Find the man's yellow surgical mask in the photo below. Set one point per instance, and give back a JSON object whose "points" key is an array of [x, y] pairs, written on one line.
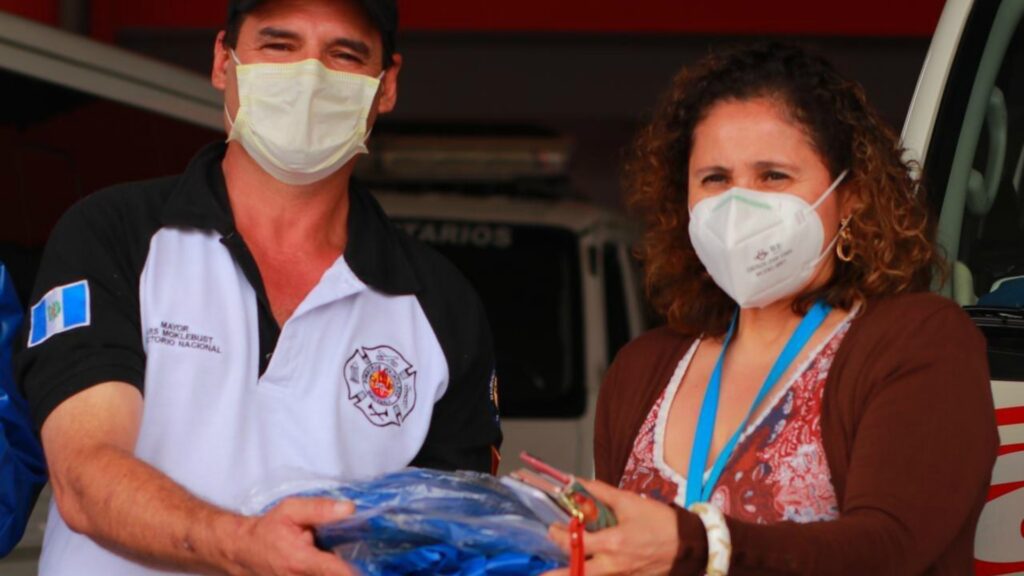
{"points": [[301, 121]]}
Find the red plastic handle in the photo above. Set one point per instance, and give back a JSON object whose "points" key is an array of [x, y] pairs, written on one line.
{"points": [[577, 556]]}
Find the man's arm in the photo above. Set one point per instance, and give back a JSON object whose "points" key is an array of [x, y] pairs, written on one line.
{"points": [[104, 492]]}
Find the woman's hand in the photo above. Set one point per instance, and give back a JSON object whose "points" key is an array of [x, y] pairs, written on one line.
{"points": [[645, 541]]}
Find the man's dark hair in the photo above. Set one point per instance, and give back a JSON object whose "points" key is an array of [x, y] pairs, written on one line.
{"points": [[383, 14]]}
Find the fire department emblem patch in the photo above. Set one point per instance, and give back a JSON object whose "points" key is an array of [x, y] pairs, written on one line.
{"points": [[382, 384]]}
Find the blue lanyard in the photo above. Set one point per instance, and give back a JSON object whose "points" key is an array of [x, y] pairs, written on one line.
{"points": [[696, 489]]}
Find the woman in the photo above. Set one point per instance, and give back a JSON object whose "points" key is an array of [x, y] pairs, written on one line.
{"points": [[837, 416]]}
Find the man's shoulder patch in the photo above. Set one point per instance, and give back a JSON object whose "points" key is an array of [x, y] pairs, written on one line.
{"points": [[61, 309]]}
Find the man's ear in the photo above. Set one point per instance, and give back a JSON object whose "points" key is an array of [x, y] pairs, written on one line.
{"points": [[389, 84], [221, 56]]}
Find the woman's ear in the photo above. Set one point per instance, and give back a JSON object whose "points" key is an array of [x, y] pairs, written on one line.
{"points": [[850, 201]]}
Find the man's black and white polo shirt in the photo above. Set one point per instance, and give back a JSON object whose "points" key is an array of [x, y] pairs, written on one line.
{"points": [[387, 362]]}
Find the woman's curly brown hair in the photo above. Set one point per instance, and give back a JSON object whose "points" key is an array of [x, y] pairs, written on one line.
{"points": [[893, 249]]}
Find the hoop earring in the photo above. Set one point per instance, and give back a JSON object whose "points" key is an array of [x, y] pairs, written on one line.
{"points": [[844, 245]]}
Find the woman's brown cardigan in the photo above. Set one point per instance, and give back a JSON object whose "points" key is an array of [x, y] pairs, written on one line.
{"points": [[909, 432]]}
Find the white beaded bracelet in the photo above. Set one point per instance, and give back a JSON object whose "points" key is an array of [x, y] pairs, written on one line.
{"points": [[719, 540]]}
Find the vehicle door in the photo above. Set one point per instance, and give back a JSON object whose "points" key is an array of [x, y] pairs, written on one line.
{"points": [[973, 167]]}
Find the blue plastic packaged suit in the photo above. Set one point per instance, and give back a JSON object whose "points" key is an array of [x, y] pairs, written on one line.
{"points": [[426, 522], [22, 467]]}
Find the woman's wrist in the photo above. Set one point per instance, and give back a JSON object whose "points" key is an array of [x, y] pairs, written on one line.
{"points": [[691, 551], [718, 538]]}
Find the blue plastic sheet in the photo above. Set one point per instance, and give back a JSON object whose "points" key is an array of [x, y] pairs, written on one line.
{"points": [[1010, 294], [22, 467], [425, 522]]}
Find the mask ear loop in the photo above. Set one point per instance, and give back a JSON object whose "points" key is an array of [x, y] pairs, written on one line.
{"points": [[842, 224], [835, 184], [380, 85], [231, 122]]}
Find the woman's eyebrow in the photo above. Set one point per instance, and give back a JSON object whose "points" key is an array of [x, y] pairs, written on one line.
{"points": [[705, 170], [775, 165]]}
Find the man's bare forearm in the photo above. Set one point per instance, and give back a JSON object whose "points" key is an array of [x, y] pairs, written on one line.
{"points": [[106, 493], [126, 504]]}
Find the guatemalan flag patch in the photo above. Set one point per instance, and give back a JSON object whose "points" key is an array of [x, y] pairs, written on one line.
{"points": [[62, 309]]}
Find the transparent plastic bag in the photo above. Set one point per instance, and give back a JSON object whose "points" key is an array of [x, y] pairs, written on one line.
{"points": [[418, 521]]}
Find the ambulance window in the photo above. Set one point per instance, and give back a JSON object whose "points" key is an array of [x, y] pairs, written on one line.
{"points": [[529, 280], [992, 237], [975, 165], [58, 145], [616, 311], [991, 243]]}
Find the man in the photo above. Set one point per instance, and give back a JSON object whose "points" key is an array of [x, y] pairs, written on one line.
{"points": [[192, 337], [22, 468]]}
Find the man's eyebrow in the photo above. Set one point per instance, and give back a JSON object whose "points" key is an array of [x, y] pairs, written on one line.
{"points": [[357, 46], [278, 33]]}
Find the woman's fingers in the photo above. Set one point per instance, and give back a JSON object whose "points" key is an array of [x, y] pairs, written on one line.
{"points": [[631, 543], [559, 534], [605, 493], [606, 540], [594, 567]]}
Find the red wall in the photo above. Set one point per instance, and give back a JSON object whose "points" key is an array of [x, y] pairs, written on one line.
{"points": [[42, 10], [727, 17], [817, 17]]}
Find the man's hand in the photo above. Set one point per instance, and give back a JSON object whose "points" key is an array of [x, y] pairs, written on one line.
{"points": [[280, 543], [645, 540]]}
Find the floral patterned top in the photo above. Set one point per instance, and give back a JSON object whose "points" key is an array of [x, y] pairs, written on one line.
{"points": [[778, 471]]}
